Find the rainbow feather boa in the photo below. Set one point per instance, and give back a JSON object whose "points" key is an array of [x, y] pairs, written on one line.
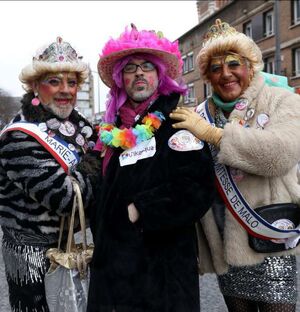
{"points": [[128, 138]]}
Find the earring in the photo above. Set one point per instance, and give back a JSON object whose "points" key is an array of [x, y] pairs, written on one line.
{"points": [[35, 101]]}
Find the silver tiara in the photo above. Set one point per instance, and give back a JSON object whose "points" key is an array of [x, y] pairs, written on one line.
{"points": [[58, 51]]}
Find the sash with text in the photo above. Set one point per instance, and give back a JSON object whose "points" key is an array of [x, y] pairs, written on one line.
{"points": [[253, 223]]}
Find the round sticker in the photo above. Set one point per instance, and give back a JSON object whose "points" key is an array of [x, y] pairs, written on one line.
{"points": [[71, 147], [67, 128], [42, 126], [283, 224], [53, 123], [250, 113], [241, 105], [183, 141], [237, 174], [91, 144], [262, 119], [87, 131], [80, 140]]}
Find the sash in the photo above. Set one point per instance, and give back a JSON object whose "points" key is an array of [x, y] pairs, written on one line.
{"points": [[251, 221], [56, 146]]}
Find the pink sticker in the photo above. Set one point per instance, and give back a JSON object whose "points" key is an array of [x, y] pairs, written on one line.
{"points": [[241, 105]]}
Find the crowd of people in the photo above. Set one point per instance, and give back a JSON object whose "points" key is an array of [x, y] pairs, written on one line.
{"points": [[169, 192]]}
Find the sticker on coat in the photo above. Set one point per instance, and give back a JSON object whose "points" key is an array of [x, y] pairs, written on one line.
{"points": [[143, 150], [183, 141]]}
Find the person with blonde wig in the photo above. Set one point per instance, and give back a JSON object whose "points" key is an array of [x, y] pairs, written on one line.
{"points": [[251, 123], [41, 152]]}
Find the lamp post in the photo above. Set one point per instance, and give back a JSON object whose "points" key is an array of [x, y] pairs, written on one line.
{"points": [[277, 39]]}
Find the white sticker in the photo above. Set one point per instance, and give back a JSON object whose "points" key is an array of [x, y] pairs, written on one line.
{"points": [[183, 141], [145, 149]]}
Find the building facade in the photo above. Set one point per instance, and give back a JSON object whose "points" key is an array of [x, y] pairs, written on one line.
{"points": [[85, 98], [256, 19]]}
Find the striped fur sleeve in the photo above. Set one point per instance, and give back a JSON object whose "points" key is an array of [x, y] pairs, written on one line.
{"points": [[34, 171]]}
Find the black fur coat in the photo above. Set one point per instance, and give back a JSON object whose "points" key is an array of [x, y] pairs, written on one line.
{"points": [[151, 265]]}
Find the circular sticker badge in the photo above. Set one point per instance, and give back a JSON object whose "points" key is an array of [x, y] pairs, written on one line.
{"points": [[87, 131], [283, 224], [79, 139], [183, 141], [53, 123], [237, 174], [91, 144], [241, 105], [262, 119], [71, 147], [67, 128], [42, 126], [250, 113]]}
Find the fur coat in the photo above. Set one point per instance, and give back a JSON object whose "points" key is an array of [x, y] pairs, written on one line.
{"points": [[151, 265], [268, 158], [34, 189]]}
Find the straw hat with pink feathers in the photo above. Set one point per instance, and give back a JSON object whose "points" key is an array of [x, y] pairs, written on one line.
{"points": [[134, 41]]}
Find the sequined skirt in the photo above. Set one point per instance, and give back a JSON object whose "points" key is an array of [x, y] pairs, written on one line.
{"points": [[25, 268], [272, 281]]}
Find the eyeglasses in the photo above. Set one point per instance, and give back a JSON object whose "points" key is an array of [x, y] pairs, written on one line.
{"points": [[132, 68], [232, 60]]}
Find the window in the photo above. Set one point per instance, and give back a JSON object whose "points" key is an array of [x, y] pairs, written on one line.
{"points": [[269, 65], [185, 67], [296, 12], [296, 62], [188, 62], [207, 90], [268, 23], [248, 29], [190, 96]]}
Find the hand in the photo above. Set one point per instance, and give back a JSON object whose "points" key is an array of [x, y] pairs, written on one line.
{"points": [[193, 122], [133, 213]]}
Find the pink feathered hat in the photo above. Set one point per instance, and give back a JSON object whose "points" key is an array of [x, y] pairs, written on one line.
{"points": [[134, 41]]}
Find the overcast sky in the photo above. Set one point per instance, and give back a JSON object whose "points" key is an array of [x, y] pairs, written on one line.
{"points": [[87, 25]]}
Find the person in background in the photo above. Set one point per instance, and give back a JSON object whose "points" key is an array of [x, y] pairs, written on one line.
{"points": [[256, 147], [156, 183], [40, 151]]}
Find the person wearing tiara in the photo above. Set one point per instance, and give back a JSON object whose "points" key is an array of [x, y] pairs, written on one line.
{"points": [[253, 130], [156, 183], [40, 154]]}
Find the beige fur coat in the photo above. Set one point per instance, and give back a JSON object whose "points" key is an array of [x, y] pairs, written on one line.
{"points": [[268, 159]]}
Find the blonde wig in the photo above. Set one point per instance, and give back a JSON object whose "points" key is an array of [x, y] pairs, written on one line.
{"points": [[222, 38]]}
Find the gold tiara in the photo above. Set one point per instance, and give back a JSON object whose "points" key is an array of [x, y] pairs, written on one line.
{"points": [[219, 29]]}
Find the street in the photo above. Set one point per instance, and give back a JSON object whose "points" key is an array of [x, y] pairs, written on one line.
{"points": [[210, 296]]}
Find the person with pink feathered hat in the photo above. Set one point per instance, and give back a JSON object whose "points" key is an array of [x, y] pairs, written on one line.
{"points": [[156, 183]]}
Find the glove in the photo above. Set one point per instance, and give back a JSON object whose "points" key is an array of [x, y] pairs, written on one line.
{"points": [[197, 125]]}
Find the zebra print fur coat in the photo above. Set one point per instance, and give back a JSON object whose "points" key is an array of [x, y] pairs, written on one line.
{"points": [[34, 189]]}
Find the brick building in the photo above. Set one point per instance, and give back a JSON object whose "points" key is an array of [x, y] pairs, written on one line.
{"points": [[257, 19]]}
